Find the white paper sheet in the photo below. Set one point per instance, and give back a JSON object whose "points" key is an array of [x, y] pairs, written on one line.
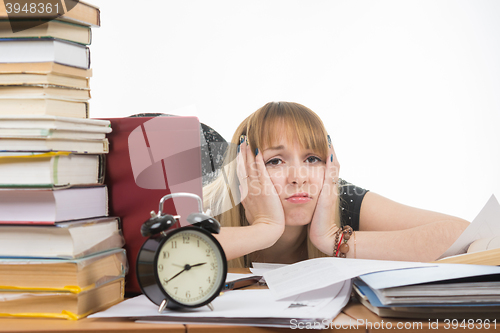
{"points": [[318, 273], [243, 304], [486, 224], [236, 276], [406, 277], [260, 268]]}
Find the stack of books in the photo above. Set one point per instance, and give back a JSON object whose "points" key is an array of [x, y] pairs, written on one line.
{"points": [[60, 253]]}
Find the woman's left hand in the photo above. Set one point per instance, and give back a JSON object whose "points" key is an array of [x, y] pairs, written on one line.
{"points": [[322, 228]]}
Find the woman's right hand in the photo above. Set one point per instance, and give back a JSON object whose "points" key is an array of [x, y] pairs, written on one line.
{"points": [[258, 194]]}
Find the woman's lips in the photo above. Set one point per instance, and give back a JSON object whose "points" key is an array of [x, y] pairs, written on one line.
{"points": [[299, 198]]}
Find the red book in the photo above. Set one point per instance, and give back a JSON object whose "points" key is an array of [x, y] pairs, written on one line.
{"points": [[150, 157]]}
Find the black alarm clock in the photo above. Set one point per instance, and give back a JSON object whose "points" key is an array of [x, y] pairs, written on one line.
{"points": [[184, 267]]}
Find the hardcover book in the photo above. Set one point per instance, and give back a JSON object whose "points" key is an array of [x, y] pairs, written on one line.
{"points": [[51, 205], [44, 106], [63, 275], [64, 305], [45, 50], [79, 12], [44, 68], [51, 169], [68, 240], [148, 159], [52, 29]]}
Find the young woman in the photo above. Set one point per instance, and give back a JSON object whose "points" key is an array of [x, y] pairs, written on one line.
{"points": [[279, 199]]}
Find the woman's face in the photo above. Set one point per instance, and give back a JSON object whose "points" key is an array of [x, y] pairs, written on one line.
{"points": [[297, 175]]}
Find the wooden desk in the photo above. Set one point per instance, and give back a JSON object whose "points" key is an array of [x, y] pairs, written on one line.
{"points": [[341, 320], [355, 318], [117, 325], [87, 325]]}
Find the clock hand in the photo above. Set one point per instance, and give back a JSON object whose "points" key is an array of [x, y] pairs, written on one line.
{"points": [[178, 265], [176, 275], [187, 267], [203, 263]]}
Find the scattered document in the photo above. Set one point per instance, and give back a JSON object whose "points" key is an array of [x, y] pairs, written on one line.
{"points": [[236, 276], [260, 268], [442, 285], [369, 298], [486, 224], [266, 266], [420, 275], [255, 307], [319, 273]]}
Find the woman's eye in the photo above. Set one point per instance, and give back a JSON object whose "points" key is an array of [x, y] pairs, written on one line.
{"points": [[313, 159], [274, 161]]}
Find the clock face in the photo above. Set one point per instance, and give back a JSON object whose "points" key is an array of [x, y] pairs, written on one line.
{"points": [[191, 267]]}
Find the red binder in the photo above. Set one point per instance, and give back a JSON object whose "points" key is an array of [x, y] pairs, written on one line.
{"points": [[148, 158]]}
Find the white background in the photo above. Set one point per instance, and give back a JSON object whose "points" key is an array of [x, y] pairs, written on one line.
{"points": [[409, 90]]}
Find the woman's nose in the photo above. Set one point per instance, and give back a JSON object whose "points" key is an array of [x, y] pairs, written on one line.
{"points": [[297, 175]]}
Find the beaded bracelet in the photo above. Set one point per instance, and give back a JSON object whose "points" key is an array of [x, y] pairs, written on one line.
{"points": [[354, 234], [341, 247]]}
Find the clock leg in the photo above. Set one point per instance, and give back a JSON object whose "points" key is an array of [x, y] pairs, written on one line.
{"points": [[163, 305], [210, 306]]}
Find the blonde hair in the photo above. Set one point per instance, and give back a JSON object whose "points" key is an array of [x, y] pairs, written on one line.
{"points": [[222, 195]]}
